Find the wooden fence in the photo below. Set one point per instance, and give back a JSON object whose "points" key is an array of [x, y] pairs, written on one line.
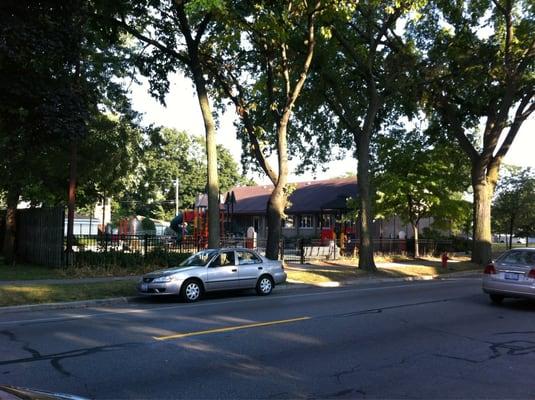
{"points": [[40, 235]]}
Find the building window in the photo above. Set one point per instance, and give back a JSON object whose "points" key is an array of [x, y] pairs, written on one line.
{"points": [[326, 221], [289, 222], [306, 221]]}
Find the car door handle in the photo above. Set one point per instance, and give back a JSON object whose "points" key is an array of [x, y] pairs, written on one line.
{"points": [[234, 270], [260, 268]]}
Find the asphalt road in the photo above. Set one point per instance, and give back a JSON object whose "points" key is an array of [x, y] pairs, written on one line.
{"points": [[434, 339]]}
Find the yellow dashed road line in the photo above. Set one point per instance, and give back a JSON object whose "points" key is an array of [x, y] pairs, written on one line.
{"points": [[229, 329]]}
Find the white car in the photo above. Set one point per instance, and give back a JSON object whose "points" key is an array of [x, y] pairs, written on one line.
{"points": [[511, 275], [212, 270]]}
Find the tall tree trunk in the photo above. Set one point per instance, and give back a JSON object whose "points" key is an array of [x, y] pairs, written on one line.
{"points": [[10, 235], [71, 203], [511, 229], [277, 200], [211, 158], [416, 240], [275, 211], [482, 251], [366, 261]]}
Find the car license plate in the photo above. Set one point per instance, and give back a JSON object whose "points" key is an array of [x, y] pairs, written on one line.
{"points": [[144, 287], [511, 276]]}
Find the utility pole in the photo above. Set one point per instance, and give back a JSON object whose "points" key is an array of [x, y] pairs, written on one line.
{"points": [[177, 182]]}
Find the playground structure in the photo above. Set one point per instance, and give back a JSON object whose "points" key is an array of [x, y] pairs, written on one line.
{"points": [[195, 225]]}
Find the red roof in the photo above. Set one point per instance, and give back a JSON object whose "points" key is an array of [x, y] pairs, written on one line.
{"points": [[308, 197]]}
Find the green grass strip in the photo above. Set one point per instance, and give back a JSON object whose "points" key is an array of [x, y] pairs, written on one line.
{"points": [[13, 295]]}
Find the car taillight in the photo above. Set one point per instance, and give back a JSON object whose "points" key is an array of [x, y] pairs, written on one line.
{"points": [[531, 274], [490, 269]]}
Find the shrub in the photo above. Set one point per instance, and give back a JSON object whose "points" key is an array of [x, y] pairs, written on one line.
{"points": [[129, 263]]}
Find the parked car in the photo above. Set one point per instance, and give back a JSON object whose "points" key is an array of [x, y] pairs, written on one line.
{"points": [[511, 275], [212, 270]]}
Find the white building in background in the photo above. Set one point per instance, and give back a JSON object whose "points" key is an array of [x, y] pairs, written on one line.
{"points": [[84, 225], [103, 210]]}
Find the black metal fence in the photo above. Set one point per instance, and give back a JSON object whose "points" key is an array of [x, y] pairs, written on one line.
{"points": [[141, 244], [290, 249], [43, 242]]}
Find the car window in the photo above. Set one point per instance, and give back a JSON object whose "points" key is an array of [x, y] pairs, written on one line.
{"points": [[199, 259], [223, 259], [515, 257], [530, 258], [246, 257]]}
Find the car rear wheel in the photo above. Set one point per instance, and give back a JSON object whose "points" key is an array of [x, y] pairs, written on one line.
{"points": [[191, 291], [496, 298], [264, 286]]}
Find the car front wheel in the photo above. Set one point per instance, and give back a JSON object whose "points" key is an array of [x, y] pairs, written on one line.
{"points": [[264, 286], [191, 291]]}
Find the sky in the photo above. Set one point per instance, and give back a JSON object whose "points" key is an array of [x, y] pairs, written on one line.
{"points": [[183, 113]]}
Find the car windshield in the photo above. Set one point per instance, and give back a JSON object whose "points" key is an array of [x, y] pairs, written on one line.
{"points": [[199, 259]]}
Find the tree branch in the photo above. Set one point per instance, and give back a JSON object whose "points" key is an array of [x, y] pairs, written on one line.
{"points": [[524, 110], [201, 28], [450, 116], [243, 112], [311, 42], [138, 35]]}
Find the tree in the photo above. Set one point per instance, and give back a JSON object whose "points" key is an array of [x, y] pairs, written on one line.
{"points": [[266, 50], [478, 79], [172, 36], [168, 154], [41, 98], [419, 178], [362, 78], [58, 63], [514, 203]]}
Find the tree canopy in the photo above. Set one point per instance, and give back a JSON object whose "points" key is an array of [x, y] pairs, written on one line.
{"points": [[478, 63], [418, 178], [168, 154], [514, 203]]}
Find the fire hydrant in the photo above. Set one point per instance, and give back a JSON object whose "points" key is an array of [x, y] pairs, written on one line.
{"points": [[445, 260]]}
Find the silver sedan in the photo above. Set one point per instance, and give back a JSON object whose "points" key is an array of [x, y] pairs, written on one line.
{"points": [[212, 270], [511, 275]]}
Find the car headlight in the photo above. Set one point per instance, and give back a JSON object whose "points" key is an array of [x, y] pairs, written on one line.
{"points": [[163, 279]]}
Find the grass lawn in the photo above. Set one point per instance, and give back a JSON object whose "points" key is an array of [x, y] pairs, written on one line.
{"points": [[346, 269], [13, 295], [28, 272], [31, 272], [324, 273]]}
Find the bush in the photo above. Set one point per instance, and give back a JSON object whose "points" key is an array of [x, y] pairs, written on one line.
{"points": [[128, 262], [461, 244]]}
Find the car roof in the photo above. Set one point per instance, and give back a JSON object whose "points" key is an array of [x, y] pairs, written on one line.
{"points": [[230, 249]]}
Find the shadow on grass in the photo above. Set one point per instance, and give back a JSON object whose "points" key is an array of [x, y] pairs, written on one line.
{"points": [[396, 267]]}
